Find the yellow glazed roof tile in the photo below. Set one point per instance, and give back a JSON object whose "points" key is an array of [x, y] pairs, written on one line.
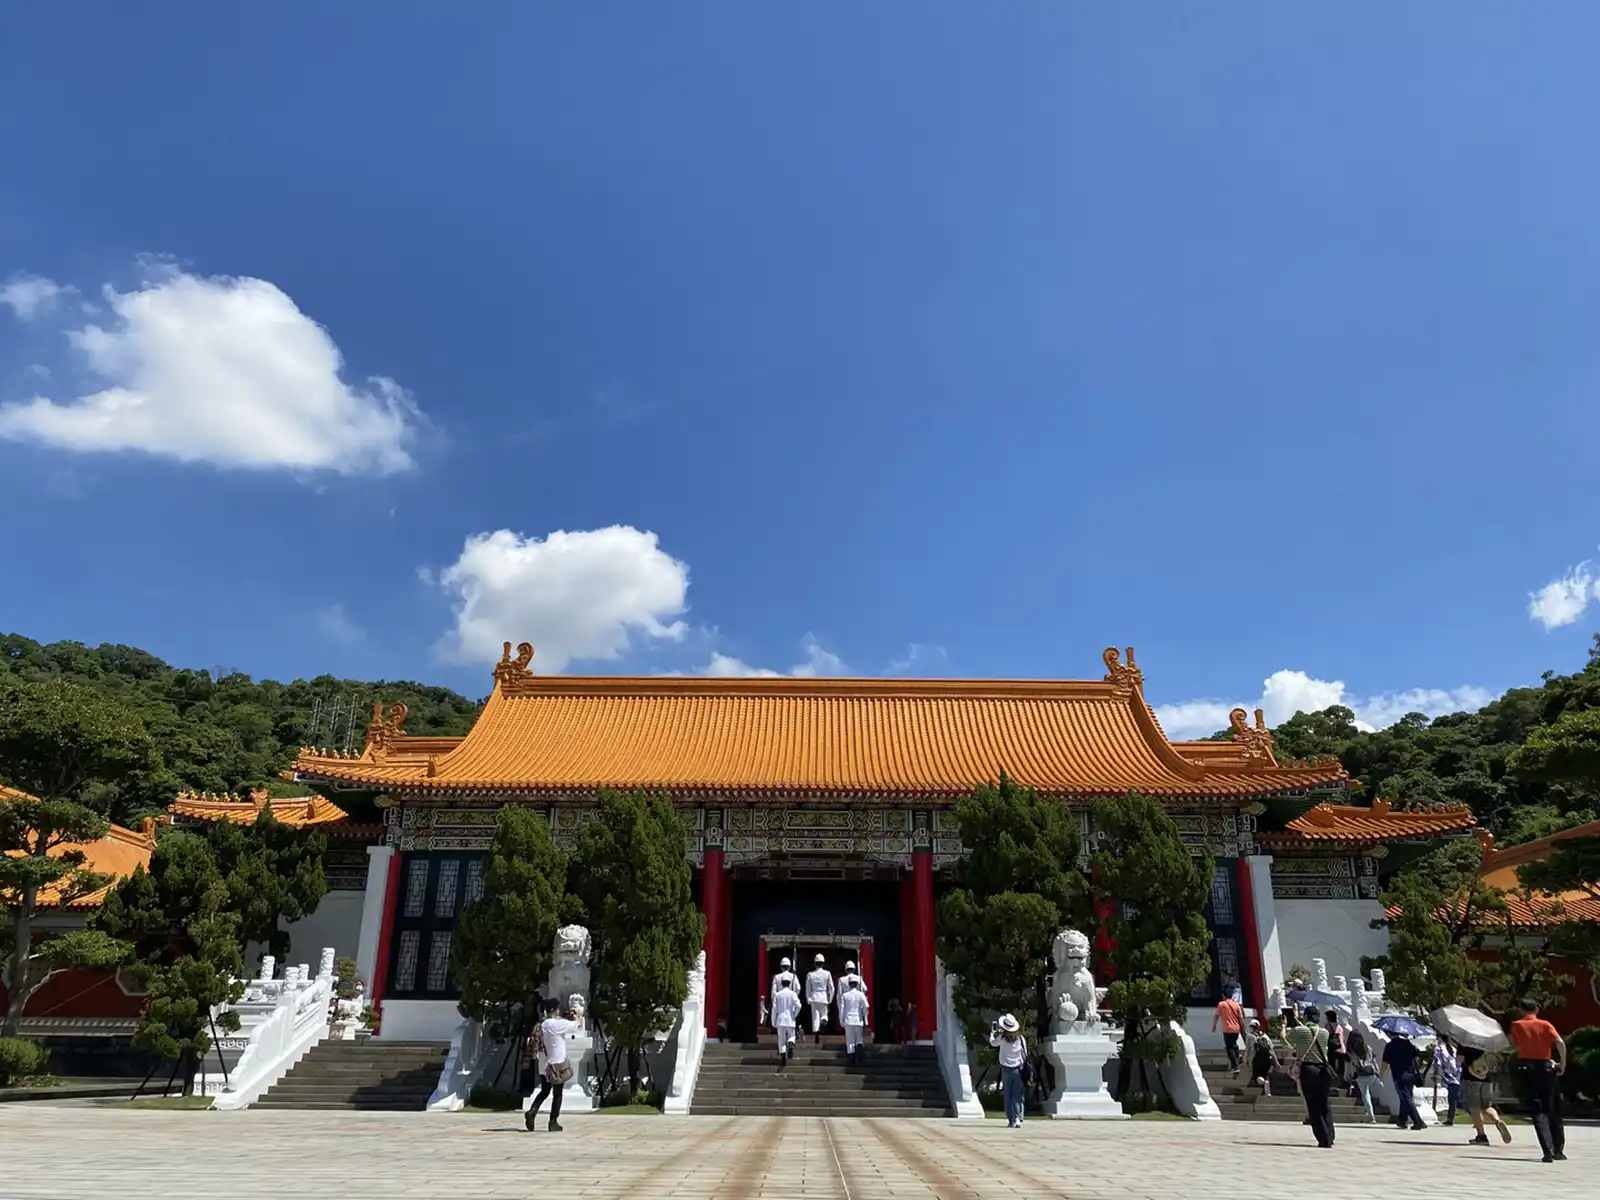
{"points": [[821, 736]]}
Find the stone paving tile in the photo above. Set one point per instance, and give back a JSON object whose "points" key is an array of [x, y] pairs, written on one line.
{"points": [[65, 1152]]}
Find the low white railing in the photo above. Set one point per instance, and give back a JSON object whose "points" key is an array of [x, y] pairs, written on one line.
{"points": [[280, 1019], [688, 1038], [950, 1043], [473, 1056], [1185, 1083]]}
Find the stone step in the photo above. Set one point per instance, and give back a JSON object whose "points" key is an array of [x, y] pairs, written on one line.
{"points": [[395, 1076], [817, 1111], [796, 1095]]}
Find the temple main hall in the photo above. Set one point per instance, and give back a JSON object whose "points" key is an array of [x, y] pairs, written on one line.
{"points": [[820, 819]]}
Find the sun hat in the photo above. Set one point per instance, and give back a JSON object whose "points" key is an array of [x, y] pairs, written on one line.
{"points": [[1008, 1024], [821, 958]]}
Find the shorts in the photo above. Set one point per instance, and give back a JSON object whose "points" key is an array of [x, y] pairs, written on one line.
{"points": [[1477, 1094]]}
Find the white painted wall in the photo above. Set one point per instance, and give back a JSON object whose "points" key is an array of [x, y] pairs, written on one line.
{"points": [[336, 923], [1339, 931], [419, 1021]]}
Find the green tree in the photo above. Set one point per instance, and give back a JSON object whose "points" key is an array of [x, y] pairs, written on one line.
{"points": [[1573, 865], [1452, 941], [501, 953], [178, 920], [56, 740], [273, 873], [1161, 944], [1565, 751], [632, 879], [1020, 884]]}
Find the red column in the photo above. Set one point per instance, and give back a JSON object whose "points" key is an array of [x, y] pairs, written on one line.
{"points": [[864, 967], [1255, 989], [391, 901], [922, 909], [1104, 943], [714, 904]]}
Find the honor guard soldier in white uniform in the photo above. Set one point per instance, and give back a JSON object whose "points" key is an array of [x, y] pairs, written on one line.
{"points": [[819, 995], [784, 978], [849, 974], [853, 1016], [785, 1013]]}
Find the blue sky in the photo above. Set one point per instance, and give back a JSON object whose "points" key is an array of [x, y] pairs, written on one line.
{"points": [[937, 338]]}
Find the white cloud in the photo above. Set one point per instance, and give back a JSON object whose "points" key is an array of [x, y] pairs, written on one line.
{"points": [[1284, 693], [922, 658], [226, 371], [333, 624], [30, 296], [817, 662], [575, 595], [1562, 601]]}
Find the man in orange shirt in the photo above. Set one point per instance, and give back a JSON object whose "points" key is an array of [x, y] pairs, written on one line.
{"points": [[1231, 1015], [1541, 1058]]}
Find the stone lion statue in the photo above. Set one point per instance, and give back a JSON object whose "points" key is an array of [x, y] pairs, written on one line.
{"points": [[569, 976], [1076, 999], [572, 946]]}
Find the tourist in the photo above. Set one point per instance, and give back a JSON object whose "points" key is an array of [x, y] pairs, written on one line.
{"points": [[552, 1035], [1400, 1064], [1004, 1035], [1338, 1052], [911, 1021], [785, 1017], [1541, 1058], [1230, 1014], [1477, 1093], [896, 1019], [1263, 1059], [1365, 1065], [853, 1016], [1447, 1074], [819, 995], [1309, 1041]]}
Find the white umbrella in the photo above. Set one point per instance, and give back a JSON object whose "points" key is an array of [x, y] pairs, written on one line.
{"points": [[1471, 1028]]}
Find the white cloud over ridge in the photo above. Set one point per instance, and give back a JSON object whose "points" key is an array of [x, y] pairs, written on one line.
{"points": [[217, 370], [817, 663], [580, 595], [30, 296], [1286, 692], [1564, 599]]}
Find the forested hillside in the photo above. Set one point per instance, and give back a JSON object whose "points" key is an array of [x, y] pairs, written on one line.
{"points": [[1528, 763], [222, 734]]}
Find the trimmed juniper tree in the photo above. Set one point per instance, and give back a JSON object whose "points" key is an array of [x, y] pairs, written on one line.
{"points": [[1020, 883], [502, 950], [274, 876], [632, 878], [1157, 893], [57, 742]]}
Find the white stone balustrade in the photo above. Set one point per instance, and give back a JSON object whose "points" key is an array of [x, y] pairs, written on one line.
{"points": [[950, 1044], [279, 1020], [687, 1042]]}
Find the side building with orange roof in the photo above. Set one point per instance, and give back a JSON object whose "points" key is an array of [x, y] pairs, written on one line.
{"points": [[820, 818], [337, 921]]}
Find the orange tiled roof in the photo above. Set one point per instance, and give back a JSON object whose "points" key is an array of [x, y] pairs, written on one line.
{"points": [[1540, 908], [291, 810], [1381, 822], [116, 854], [840, 737]]}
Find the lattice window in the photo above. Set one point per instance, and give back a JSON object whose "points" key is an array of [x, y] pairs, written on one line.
{"points": [[1222, 896], [444, 902], [405, 972], [439, 962], [476, 872], [416, 888]]}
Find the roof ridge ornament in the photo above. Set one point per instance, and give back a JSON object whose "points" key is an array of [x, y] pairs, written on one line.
{"points": [[386, 727], [511, 672], [1255, 744], [1125, 678]]}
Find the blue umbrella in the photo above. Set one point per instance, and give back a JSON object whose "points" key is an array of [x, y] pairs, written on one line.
{"points": [[1395, 1023]]}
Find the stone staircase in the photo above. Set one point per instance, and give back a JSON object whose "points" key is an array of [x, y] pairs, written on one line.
{"points": [[366, 1074], [1238, 1101], [892, 1081]]}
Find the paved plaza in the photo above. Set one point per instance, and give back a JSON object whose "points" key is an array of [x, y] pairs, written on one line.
{"points": [[61, 1151]]}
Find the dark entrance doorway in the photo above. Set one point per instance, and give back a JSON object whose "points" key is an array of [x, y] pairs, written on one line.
{"points": [[835, 913]]}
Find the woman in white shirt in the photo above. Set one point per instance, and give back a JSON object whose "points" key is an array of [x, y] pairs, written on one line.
{"points": [[1013, 1047], [551, 1039]]}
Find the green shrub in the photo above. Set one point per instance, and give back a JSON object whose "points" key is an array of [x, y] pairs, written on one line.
{"points": [[1582, 1077], [493, 1098], [19, 1059]]}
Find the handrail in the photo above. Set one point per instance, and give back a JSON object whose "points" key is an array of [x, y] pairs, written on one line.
{"points": [[950, 1043], [690, 1034], [283, 1018]]}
